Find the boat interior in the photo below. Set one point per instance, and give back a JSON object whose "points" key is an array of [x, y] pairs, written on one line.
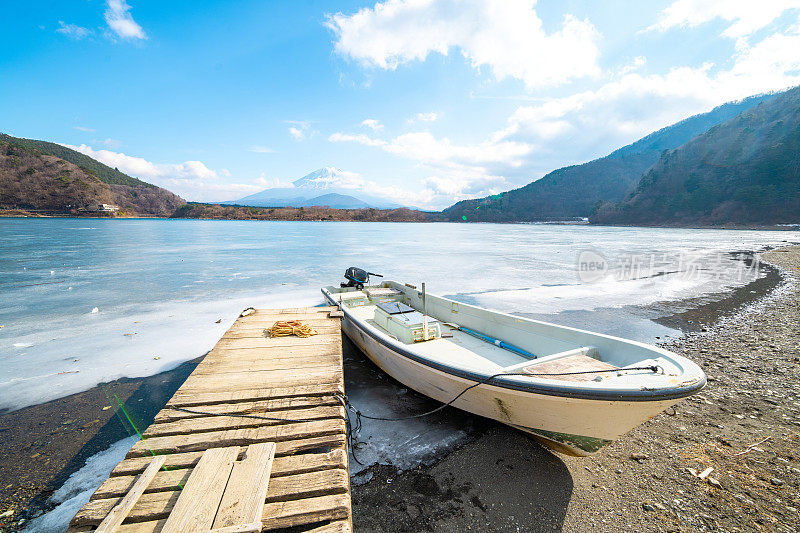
{"points": [[456, 334]]}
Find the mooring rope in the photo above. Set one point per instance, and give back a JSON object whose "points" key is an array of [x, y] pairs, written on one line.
{"points": [[284, 328]]}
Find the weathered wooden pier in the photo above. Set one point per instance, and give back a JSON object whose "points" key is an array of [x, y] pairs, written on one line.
{"points": [[206, 463]]}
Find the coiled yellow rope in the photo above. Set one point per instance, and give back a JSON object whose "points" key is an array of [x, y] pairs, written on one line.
{"points": [[284, 328]]}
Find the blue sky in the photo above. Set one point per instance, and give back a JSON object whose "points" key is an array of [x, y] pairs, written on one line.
{"points": [[423, 101]]}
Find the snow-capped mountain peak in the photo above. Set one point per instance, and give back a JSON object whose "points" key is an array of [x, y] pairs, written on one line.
{"points": [[329, 178], [327, 186]]}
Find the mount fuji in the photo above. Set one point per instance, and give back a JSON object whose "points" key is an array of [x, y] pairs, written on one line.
{"points": [[327, 186]]}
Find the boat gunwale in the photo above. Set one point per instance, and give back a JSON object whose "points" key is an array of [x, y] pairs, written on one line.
{"points": [[532, 386]]}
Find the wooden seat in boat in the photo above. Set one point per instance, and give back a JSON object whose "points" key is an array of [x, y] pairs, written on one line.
{"points": [[572, 363]]}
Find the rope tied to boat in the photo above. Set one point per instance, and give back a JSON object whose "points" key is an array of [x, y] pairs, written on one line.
{"points": [[352, 430], [285, 328]]}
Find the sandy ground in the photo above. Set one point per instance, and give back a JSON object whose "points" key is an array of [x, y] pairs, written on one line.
{"points": [[504, 481]]}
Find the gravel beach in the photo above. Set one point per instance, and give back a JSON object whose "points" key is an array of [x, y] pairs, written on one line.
{"points": [[745, 426]]}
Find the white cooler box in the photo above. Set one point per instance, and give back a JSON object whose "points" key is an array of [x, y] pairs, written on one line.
{"points": [[406, 323]]}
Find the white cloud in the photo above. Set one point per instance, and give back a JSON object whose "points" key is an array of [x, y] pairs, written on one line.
{"points": [[121, 22], [372, 124], [264, 183], [300, 130], [359, 138], [461, 171], [83, 128], [73, 31], [427, 149], [637, 63], [745, 16], [192, 180], [111, 143], [427, 117], [259, 149], [507, 36]]}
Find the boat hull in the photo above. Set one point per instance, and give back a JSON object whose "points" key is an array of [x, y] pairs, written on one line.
{"points": [[575, 426]]}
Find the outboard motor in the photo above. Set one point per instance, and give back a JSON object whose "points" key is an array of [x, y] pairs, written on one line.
{"points": [[357, 277]]}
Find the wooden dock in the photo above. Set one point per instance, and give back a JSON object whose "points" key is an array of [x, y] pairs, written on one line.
{"points": [[247, 373]]}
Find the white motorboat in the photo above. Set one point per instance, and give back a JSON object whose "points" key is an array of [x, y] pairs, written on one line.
{"points": [[573, 390]]}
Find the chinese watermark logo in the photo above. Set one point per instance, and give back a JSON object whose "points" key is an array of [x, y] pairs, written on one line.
{"points": [[592, 266]]}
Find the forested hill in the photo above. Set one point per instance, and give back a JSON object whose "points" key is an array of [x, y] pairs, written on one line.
{"points": [[39, 175], [744, 171], [576, 191]]}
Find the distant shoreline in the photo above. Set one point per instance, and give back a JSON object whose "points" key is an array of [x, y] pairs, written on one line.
{"points": [[381, 216]]}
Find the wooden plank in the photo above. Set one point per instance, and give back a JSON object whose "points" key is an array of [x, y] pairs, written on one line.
{"points": [[261, 313], [266, 406], [158, 505], [258, 324], [308, 511], [292, 352], [320, 309], [235, 437], [332, 481], [239, 382], [228, 367], [339, 526], [216, 423], [243, 500], [572, 363], [116, 486], [323, 388], [317, 358], [244, 380], [199, 499], [260, 318], [133, 465], [154, 526], [278, 342], [117, 515]]}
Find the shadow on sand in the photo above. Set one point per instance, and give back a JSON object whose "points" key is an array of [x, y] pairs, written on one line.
{"points": [[499, 480]]}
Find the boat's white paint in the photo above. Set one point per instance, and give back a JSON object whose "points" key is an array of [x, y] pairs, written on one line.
{"points": [[443, 368]]}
